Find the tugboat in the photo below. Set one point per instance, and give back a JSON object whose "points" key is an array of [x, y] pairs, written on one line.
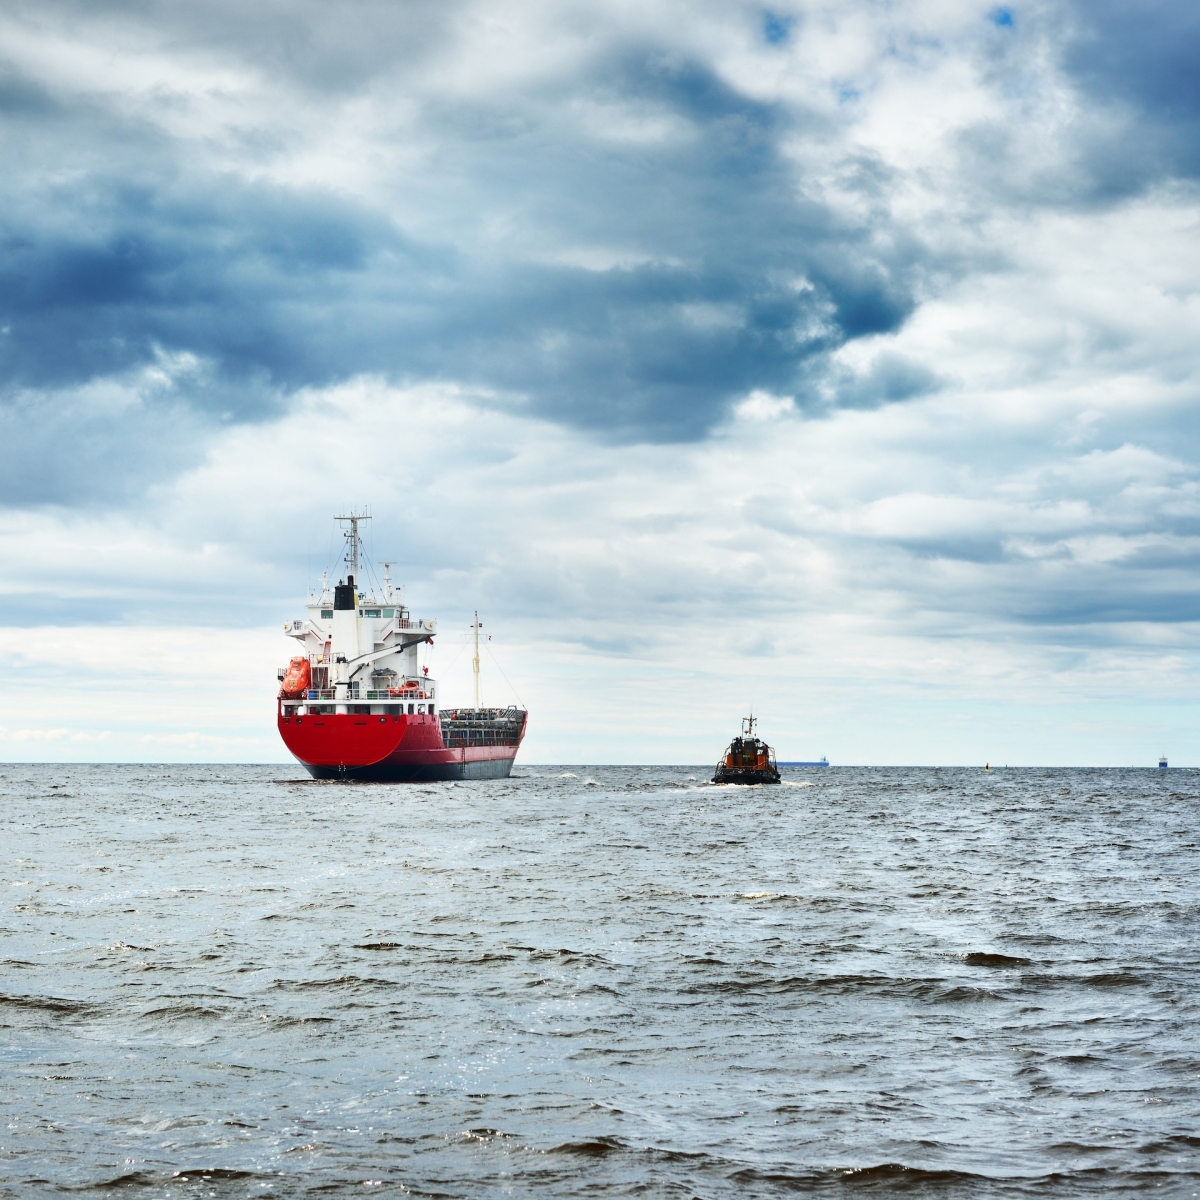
{"points": [[748, 759]]}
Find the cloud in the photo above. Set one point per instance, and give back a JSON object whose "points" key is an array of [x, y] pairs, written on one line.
{"points": [[851, 342], [846, 560], [144, 220], [1139, 62]]}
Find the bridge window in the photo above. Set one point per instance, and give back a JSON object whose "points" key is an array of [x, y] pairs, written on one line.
{"points": [[370, 612], [327, 614], [389, 612]]}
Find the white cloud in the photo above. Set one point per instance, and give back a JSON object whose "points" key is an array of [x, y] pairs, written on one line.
{"points": [[762, 406]]}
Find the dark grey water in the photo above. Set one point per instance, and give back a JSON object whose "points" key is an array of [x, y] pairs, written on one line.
{"points": [[607, 981]]}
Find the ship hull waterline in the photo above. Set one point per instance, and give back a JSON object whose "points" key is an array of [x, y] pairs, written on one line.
{"points": [[389, 749], [744, 776]]}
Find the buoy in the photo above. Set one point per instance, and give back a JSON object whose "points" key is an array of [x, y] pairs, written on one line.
{"points": [[987, 766]]}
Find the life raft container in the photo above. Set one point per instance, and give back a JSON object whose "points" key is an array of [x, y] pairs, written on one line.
{"points": [[296, 678]]}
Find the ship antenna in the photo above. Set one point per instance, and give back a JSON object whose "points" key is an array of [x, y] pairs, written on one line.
{"points": [[355, 542], [387, 583], [475, 627]]}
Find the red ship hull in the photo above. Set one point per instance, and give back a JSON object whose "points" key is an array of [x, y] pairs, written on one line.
{"points": [[395, 748]]}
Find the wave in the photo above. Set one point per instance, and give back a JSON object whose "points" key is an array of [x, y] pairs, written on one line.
{"points": [[183, 1012], [590, 1148], [933, 988], [980, 958], [334, 983], [144, 1179], [54, 1004]]}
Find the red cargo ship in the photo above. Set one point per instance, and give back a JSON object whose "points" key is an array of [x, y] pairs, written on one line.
{"points": [[353, 704]]}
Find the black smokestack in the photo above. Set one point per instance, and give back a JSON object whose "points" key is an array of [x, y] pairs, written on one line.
{"points": [[343, 594]]}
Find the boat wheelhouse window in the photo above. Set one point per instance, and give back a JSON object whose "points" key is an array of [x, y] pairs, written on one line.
{"points": [[389, 612], [420, 708], [431, 708], [411, 708], [327, 614], [370, 612], [360, 709]]}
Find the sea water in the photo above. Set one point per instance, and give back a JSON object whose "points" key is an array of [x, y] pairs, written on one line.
{"points": [[229, 981]]}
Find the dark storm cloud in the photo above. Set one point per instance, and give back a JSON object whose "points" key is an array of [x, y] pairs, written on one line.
{"points": [[249, 278], [890, 377], [290, 290], [736, 280], [1140, 59], [126, 249]]}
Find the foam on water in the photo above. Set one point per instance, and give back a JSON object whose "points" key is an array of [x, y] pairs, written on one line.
{"points": [[941, 981]]}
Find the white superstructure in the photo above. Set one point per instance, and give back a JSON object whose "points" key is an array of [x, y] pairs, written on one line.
{"points": [[363, 647]]}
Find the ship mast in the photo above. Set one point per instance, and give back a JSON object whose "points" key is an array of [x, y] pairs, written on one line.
{"points": [[351, 536], [475, 627]]}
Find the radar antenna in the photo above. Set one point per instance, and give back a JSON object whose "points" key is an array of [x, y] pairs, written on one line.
{"points": [[354, 541]]}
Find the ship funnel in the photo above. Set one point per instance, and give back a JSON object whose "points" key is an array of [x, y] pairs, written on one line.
{"points": [[343, 594]]}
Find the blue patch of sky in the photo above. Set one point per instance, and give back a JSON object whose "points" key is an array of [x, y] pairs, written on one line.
{"points": [[776, 28], [1002, 18]]}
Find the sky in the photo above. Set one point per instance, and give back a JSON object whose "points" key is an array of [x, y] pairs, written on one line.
{"points": [[834, 359]]}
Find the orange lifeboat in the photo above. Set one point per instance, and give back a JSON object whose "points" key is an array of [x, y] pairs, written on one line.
{"points": [[296, 678]]}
